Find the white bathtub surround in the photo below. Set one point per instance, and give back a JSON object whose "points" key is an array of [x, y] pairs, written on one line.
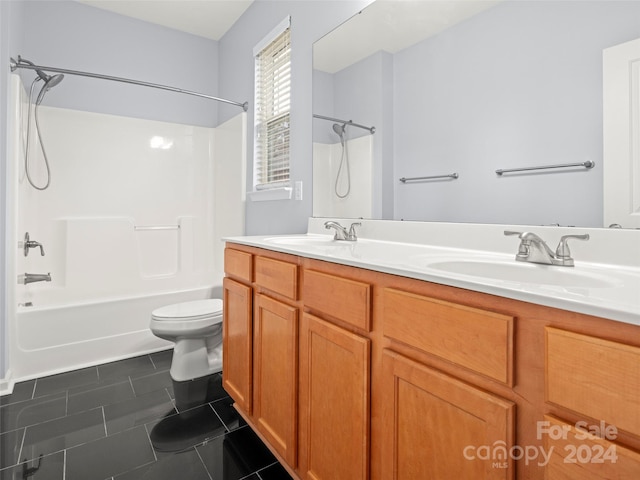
{"points": [[132, 221], [326, 162], [604, 282]]}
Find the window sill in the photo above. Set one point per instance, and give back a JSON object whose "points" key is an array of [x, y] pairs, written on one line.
{"points": [[282, 193]]}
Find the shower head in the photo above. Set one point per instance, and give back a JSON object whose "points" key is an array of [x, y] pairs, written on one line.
{"points": [[49, 83], [54, 80], [339, 129]]}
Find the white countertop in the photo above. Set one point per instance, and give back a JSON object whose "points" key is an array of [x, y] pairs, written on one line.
{"points": [[609, 290]]}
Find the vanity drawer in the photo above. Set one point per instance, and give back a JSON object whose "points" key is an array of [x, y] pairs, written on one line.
{"points": [[238, 264], [575, 454], [479, 340], [594, 377], [344, 299], [277, 276]]}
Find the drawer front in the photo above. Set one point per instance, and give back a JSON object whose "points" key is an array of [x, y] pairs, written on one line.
{"points": [[479, 340], [594, 377], [573, 454], [277, 276], [238, 264], [341, 298]]}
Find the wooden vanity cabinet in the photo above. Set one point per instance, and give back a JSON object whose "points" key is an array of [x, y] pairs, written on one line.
{"points": [[334, 402], [260, 345], [335, 355], [595, 384], [237, 346], [275, 374], [351, 374], [435, 425]]}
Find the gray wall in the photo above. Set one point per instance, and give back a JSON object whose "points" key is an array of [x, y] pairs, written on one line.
{"points": [[519, 85], [71, 35], [310, 20]]}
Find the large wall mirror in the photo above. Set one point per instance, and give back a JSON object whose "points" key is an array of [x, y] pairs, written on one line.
{"points": [[455, 91]]}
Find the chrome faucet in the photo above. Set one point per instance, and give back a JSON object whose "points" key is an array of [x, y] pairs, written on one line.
{"points": [[341, 232], [535, 250], [34, 277]]}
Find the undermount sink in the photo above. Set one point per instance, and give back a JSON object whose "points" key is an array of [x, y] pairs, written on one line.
{"points": [[302, 240], [518, 272]]}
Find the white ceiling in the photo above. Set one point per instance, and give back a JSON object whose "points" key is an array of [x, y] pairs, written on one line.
{"points": [[390, 25], [205, 18]]}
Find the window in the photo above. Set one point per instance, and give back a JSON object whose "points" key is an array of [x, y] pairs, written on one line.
{"points": [[272, 107]]}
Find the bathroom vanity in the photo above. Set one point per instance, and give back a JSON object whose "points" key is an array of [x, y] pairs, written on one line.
{"points": [[354, 360]]}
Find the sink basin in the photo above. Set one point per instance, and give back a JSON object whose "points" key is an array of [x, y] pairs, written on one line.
{"points": [[530, 273], [309, 240]]}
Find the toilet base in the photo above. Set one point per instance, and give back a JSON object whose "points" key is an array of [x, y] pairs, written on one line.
{"points": [[192, 359]]}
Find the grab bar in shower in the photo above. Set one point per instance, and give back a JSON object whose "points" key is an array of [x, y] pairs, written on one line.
{"points": [[587, 164], [156, 227], [432, 177]]}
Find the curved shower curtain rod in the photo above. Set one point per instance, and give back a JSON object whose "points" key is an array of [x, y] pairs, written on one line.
{"points": [[21, 64], [346, 122]]}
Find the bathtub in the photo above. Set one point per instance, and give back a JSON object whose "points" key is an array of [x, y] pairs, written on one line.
{"points": [[50, 338], [126, 228]]}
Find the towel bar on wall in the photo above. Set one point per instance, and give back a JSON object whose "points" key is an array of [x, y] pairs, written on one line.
{"points": [[587, 164], [156, 227], [432, 177]]}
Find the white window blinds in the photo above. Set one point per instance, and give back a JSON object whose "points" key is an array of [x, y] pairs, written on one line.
{"points": [[272, 104]]}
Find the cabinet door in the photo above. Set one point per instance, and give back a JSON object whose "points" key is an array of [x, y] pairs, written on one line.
{"points": [[334, 402], [434, 425], [275, 375], [575, 454], [237, 333]]}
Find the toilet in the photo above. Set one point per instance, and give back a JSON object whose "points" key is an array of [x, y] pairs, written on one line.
{"points": [[196, 329]]}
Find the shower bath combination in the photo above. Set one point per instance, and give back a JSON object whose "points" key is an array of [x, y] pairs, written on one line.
{"points": [[50, 81]]}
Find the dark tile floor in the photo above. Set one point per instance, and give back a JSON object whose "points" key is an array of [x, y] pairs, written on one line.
{"points": [[127, 420]]}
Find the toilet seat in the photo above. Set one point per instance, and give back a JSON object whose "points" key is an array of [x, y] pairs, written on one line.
{"points": [[195, 328], [190, 311]]}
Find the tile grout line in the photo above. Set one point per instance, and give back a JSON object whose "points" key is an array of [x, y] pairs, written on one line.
{"points": [[132, 387], [202, 461], [219, 417], [64, 464], [152, 362], [104, 421], [33, 392], [24, 435], [153, 450]]}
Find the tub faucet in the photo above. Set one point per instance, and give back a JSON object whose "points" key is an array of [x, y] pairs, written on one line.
{"points": [[27, 278], [27, 244], [535, 250], [341, 232]]}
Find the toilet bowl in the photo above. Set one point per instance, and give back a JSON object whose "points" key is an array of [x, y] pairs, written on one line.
{"points": [[196, 329]]}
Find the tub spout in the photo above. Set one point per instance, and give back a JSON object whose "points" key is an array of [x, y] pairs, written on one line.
{"points": [[27, 278]]}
